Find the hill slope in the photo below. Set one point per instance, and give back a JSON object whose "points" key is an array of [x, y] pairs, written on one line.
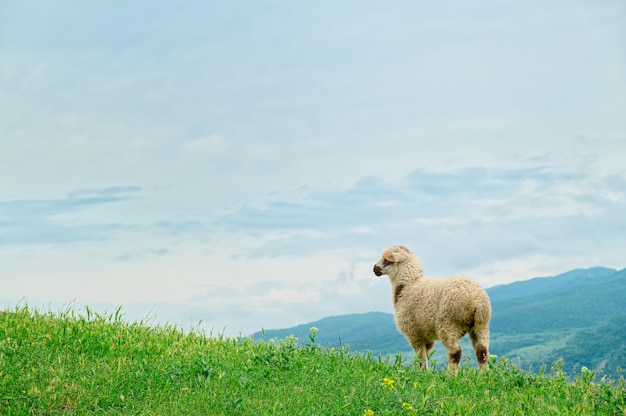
{"points": [[579, 316], [76, 365]]}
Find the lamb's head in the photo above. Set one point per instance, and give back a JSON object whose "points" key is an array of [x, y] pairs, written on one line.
{"points": [[392, 260]]}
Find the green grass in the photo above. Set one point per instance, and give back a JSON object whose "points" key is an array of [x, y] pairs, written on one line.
{"points": [[77, 364]]}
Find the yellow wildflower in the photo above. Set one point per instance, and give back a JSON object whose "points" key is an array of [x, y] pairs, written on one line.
{"points": [[368, 412], [407, 406], [387, 382]]}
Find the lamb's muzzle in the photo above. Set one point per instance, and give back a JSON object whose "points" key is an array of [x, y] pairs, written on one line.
{"points": [[377, 270]]}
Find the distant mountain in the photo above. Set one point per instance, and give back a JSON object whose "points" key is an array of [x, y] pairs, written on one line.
{"points": [[566, 306], [540, 285], [578, 316]]}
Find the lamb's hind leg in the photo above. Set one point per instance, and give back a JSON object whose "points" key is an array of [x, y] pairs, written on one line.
{"points": [[480, 342], [421, 349]]}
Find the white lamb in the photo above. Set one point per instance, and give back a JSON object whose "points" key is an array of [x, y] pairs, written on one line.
{"points": [[428, 309]]}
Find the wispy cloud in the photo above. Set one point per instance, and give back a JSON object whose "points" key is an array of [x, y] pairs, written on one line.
{"points": [[475, 213], [105, 195], [273, 304], [141, 254], [48, 221], [97, 215]]}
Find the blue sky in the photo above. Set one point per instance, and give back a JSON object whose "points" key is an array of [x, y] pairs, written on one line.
{"points": [[245, 163]]}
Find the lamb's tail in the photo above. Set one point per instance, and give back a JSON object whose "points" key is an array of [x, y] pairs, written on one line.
{"points": [[482, 313]]}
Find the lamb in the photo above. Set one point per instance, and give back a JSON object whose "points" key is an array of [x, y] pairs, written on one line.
{"points": [[428, 309]]}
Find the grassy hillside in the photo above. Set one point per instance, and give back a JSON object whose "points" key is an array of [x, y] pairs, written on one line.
{"points": [[90, 364]]}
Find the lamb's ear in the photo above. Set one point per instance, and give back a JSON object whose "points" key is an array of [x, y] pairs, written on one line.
{"points": [[396, 254], [389, 256], [393, 256]]}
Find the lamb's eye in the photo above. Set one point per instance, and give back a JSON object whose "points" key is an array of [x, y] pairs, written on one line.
{"points": [[386, 262]]}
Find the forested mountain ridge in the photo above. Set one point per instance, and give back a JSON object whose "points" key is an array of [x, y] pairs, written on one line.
{"points": [[540, 285]]}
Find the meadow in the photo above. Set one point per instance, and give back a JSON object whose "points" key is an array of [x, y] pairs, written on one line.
{"points": [[70, 363]]}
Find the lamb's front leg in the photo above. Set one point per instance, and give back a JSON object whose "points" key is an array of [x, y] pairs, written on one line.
{"points": [[421, 349]]}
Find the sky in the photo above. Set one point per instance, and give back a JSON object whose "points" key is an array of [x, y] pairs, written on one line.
{"points": [[242, 165]]}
